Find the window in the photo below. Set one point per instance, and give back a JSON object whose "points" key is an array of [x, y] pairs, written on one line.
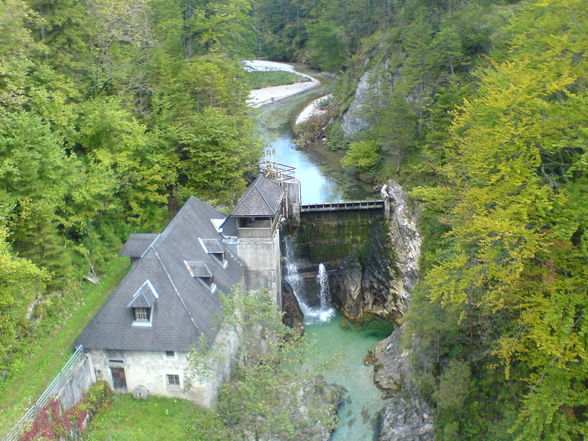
{"points": [[200, 271], [170, 354], [173, 380], [142, 315], [220, 257], [214, 248]]}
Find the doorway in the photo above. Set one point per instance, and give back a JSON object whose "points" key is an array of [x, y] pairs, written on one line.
{"points": [[119, 381]]}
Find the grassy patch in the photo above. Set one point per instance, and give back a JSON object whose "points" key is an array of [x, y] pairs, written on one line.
{"points": [[155, 419], [259, 80], [32, 372]]}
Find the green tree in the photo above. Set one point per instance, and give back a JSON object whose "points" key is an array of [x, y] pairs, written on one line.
{"points": [[214, 25], [213, 150], [21, 283], [516, 261], [66, 29], [418, 67], [17, 49], [34, 181], [327, 48], [364, 156], [269, 396]]}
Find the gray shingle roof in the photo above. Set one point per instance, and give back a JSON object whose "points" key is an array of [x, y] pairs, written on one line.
{"points": [[137, 244], [186, 308], [262, 198], [229, 227]]}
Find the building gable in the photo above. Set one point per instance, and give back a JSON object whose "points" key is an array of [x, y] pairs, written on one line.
{"points": [[262, 198]]}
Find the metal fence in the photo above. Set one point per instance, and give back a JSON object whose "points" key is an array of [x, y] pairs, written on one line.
{"points": [[68, 387]]}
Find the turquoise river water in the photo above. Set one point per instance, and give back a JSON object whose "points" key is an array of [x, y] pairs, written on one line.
{"points": [[340, 347], [338, 355]]}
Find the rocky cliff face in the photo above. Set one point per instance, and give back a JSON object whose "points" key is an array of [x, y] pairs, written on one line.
{"points": [[293, 316], [373, 87], [381, 281], [407, 416], [354, 120], [364, 286], [406, 242]]}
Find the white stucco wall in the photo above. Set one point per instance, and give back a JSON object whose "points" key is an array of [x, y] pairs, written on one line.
{"points": [[150, 369]]}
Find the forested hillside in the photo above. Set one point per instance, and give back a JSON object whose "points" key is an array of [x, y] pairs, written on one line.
{"points": [[111, 114], [479, 107]]}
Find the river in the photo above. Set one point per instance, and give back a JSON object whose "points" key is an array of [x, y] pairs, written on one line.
{"points": [[340, 347], [320, 174]]}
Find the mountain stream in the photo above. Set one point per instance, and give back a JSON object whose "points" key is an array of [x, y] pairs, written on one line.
{"points": [[340, 348]]}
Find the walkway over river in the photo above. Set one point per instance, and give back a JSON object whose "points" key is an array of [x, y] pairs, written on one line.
{"points": [[342, 206], [284, 175]]}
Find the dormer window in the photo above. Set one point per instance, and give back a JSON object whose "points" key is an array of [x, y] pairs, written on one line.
{"points": [[142, 304], [200, 271], [214, 248]]}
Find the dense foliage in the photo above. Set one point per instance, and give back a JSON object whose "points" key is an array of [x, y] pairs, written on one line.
{"points": [[513, 267], [111, 114]]}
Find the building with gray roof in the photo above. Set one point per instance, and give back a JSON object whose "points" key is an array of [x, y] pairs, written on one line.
{"points": [[169, 301], [171, 298]]}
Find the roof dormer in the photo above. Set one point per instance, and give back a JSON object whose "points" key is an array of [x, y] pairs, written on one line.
{"points": [[142, 304], [214, 248], [199, 270]]}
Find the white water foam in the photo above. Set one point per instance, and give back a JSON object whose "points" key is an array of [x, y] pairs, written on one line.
{"points": [[312, 314]]}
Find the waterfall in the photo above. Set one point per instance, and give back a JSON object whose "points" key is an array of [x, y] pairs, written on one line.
{"points": [[292, 275], [325, 312], [322, 313], [322, 279]]}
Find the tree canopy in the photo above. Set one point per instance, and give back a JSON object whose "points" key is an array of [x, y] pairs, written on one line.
{"points": [[112, 114]]}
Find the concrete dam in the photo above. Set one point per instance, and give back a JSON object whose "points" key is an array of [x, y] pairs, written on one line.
{"points": [[349, 239]]}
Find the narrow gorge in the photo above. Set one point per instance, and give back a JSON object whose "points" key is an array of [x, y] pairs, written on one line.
{"points": [[351, 274]]}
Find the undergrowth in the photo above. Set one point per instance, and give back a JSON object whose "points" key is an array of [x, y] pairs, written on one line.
{"points": [[44, 353]]}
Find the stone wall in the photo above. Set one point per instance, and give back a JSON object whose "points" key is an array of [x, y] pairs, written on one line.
{"points": [[331, 237]]}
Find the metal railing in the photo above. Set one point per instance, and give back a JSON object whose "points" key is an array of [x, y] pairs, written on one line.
{"points": [[342, 206], [277, 172]]}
